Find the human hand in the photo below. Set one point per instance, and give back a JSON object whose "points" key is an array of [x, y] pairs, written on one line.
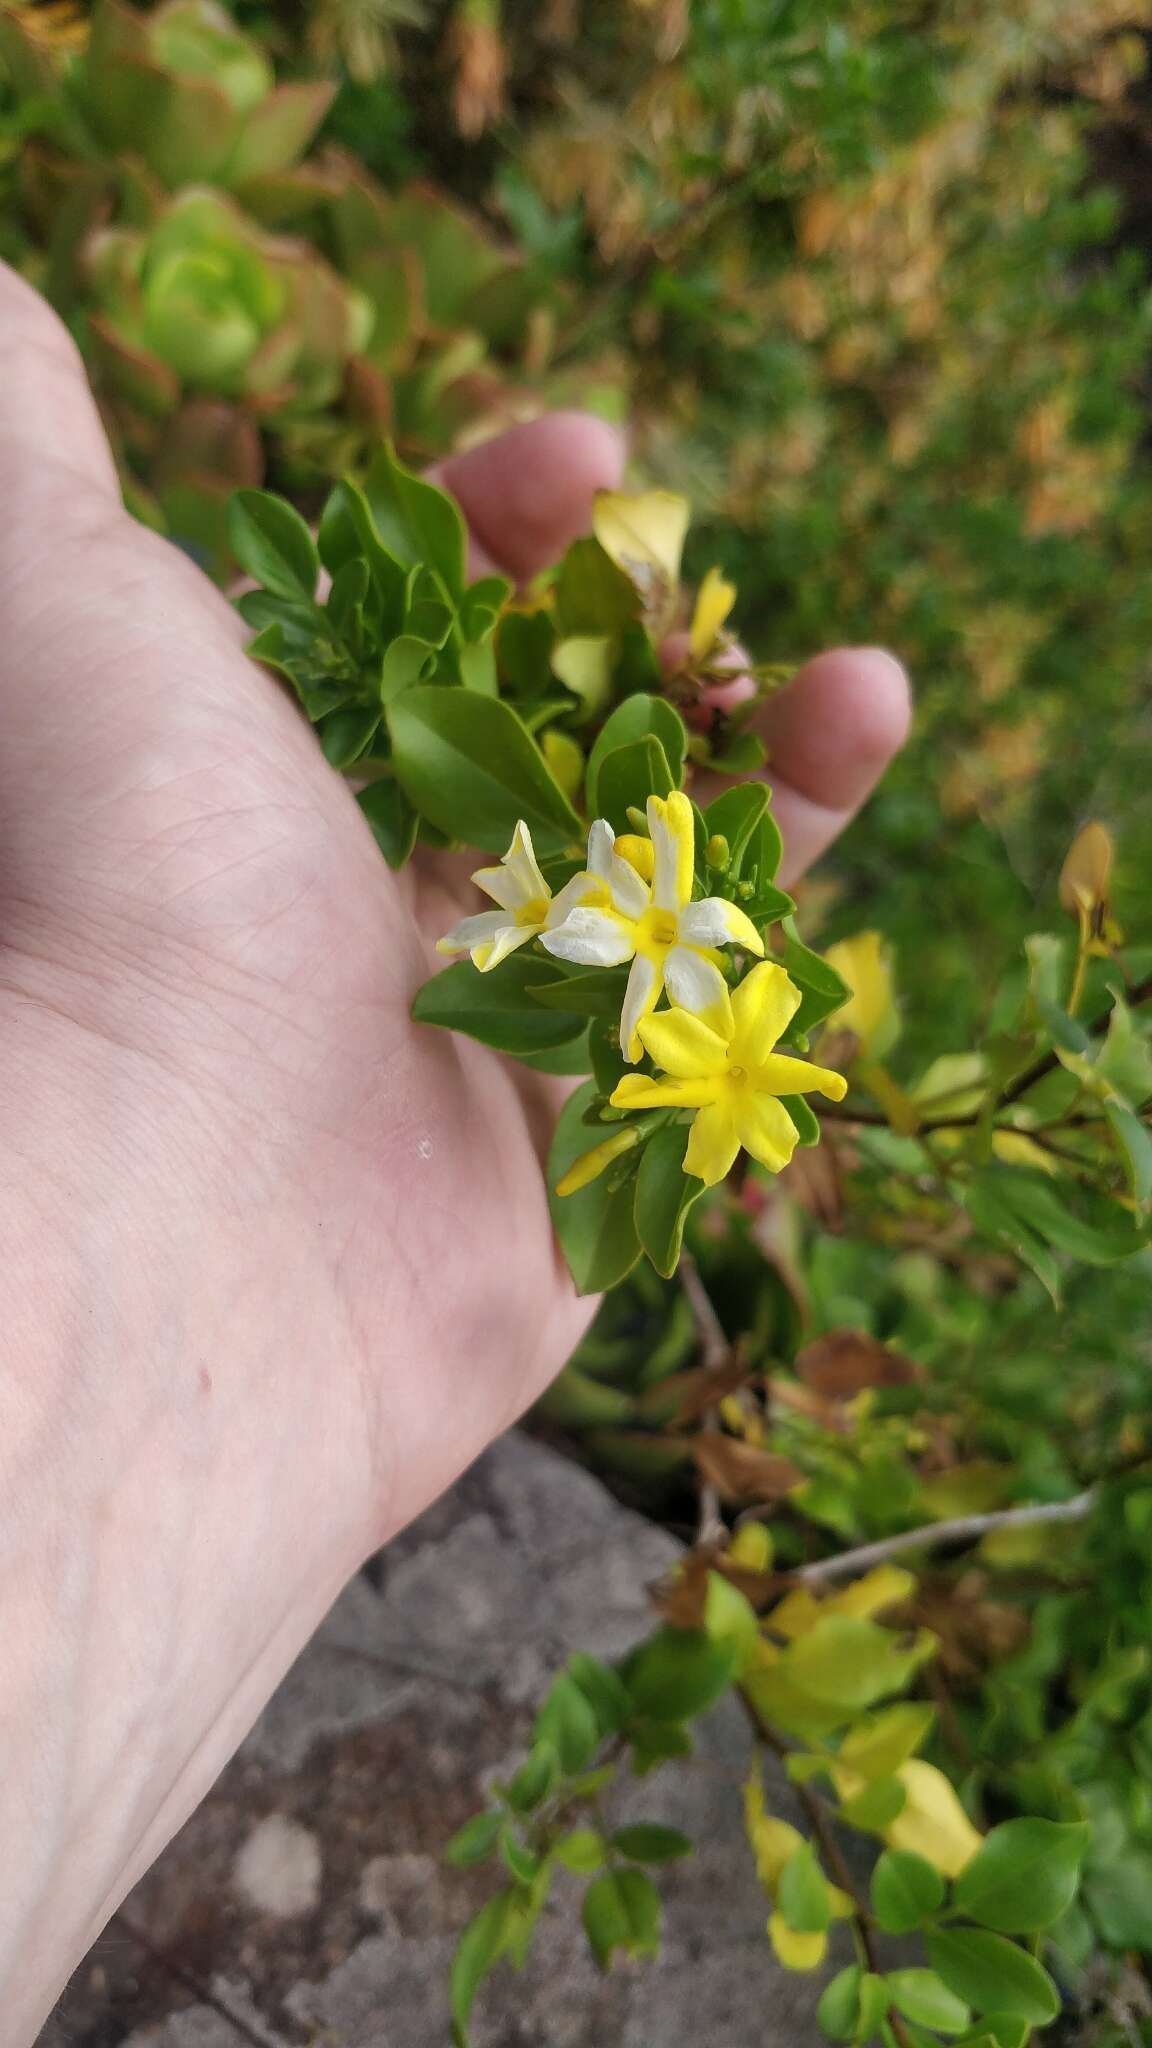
{"points": [[279, 1263]]}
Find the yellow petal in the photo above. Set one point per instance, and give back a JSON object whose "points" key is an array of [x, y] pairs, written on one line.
{"points": [[714, 1140], [714, 600], [781, 1075], [933, 1823], [870, 1013], [796, 1951], [638, 852], [640, 1091], [763, 1005], [683, 1044], [765, 1127], [644, 534], [592, 1164]]}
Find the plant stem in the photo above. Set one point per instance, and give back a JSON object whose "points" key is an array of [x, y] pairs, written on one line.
{"points": [[961, 1529], [715, 1353]]}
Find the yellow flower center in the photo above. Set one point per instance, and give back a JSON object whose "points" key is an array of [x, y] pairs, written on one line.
{"points": [[656, 931], [534, 911], [738, 1074]]}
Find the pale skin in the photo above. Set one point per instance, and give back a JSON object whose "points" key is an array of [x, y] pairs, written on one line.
{"points": [[277, 1263]]}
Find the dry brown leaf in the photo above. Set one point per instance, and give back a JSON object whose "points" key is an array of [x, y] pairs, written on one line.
{"points": [[742, 1471], [843, 1363]]}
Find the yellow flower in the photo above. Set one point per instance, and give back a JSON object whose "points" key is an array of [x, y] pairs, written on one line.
{"points": [[524, 897], [714, 600], [727, 1070], [609, 914], [870, 1013]]}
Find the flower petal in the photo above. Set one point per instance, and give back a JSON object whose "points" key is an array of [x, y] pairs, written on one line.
{"points": [[640, 1091], [713, 1142], [766, 1129], [520, 861], [714, 600], [683, 1044], [583, 890], [592, 938], [640, 998], [715, 922], [628, 892], [695, 983], [779, 1074], [763, 1005], [505, 942], [473, 931], [674, 842]]}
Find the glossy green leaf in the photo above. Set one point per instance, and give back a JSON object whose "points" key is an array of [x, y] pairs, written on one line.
{"points": [[649, 1842], [1025, 1875], [921, 1996], [415, 521], [467, 763], [678, 1673], [839, 2007], [475, 1840], [664, 1196], [496, 1008], [622, 1912], [603, 1688], [905, 1891], [392, 819], [628, 776], [582, 1852], [569, 1722], [591, 595], [273, 545], [992, 1974], [595, 1226], [803, 1896], [479, 1947], [639, 717]]}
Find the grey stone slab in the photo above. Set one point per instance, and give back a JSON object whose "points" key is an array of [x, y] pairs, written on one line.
{"points": [[305, 1904]]}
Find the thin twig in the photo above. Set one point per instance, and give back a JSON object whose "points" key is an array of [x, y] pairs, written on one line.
{"points": [[961, 1529], [715, 1355]]}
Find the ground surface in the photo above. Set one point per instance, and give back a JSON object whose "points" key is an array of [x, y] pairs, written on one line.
{"points": [[305, 1906]]}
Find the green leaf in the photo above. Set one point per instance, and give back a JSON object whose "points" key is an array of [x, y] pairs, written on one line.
{"points": [[392, 819], [877, 1806], [803, 1896], [595, 1226], [992, 1975], [742, 754], [591, 595], [475, 1840], [593, 992], [839, 2007], [922, 1997], [535, 1778], [1025, 1875], [272, 544], [479, 1947], [521, 1862], [877, 1747], [1135, 1142], [734, 817], [603, 1688], [804, 1117], [850, 1662], [1023, 1206], [1000, 2030], [1119, 1898], [648, 1842], [905, 1891], [678, 1673], [582, 1851], [664, 1196], [495, 1008], [584, 665], [524, 643], [572, 1059], [639, 717], [466, 762], [347, 734], [822, 989], [569, 1722], [622, 1911], [416, 522], [628, 776]]}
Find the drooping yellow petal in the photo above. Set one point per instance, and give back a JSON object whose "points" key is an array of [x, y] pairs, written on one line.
{"points": [[764, 1006], [865, 963], [641, 995], [933, 1824], [713, 1142], [673, 835], [796, 1951], [780, 1074], [640, 1091], [644, 534], [765, 1128], [714, 600], [683, 1044]]}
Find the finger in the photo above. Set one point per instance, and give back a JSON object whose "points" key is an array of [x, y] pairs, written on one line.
{"points": [[528, 493], [830, 736], [50, 432]]}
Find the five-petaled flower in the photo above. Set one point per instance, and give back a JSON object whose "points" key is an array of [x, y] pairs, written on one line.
{"points": [[728, 1071], [609, 915], [525, 901]]}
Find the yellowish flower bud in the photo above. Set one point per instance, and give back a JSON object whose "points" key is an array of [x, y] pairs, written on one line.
{"points": [[639, 853], [592, 1164], [718, 853]]}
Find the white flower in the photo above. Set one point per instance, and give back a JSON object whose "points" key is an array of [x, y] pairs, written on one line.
{"points": [[524, 897], [609, 915]]}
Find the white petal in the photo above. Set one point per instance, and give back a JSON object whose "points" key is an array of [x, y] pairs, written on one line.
{"points": [[501, 885], [640, 999], [583, 888], [694, 982], [705, 924], [601, 840], [505, 942], [520, 861], [592, 938], [673, 835], [480, 930], [628, 890]]}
